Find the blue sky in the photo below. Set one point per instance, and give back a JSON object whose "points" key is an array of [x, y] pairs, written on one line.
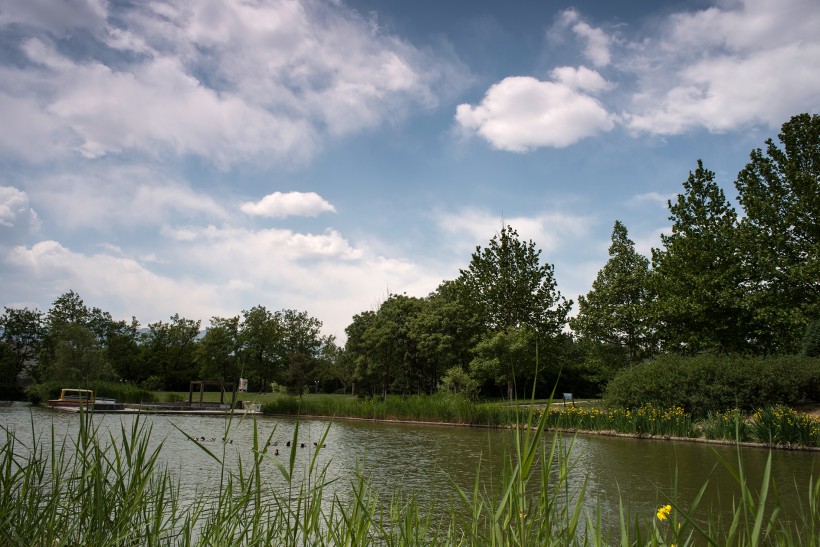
{"points": [[205, 157]]}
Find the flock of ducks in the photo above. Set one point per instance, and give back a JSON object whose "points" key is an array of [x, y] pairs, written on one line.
{"points": [[275, 444]]}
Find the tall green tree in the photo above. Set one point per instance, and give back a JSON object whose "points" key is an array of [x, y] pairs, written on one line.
{"points": [[512, 289], [698, 275], [357, 350], [260, 335], [79, 358], [615, 314], [21, 334], [217, 353], [123, 350], [779, 190], [169, 352], [446, 330], [299, 349]]}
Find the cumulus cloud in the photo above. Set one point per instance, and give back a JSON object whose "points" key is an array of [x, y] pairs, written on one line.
{"points": [[228, 81], [15, 208], [228, 269], [548, 230], [728, 66], [597, 41], [124, 196], [522, 113], [285, 204]]}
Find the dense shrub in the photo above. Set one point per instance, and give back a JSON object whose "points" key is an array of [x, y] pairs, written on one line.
{"points": [[716, 383], [811, 340]]}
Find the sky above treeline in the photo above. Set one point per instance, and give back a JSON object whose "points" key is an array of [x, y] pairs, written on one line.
{"points": [[205, 157]]}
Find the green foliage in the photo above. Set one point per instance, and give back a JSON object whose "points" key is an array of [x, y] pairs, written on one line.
{"points": [[715, 383], [698, 275], [169, 349], [217, 353], [614, 314], [780, 194], [517, 298], [644, 420], [511, 287], [457, 382], [730, 425], [780, 425], [811, 340]]}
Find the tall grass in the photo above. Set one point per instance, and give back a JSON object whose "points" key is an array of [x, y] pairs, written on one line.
{"points": [[102, 489]]}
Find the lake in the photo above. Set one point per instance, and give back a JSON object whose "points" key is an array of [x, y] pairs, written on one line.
{"points": [[429, 459]]}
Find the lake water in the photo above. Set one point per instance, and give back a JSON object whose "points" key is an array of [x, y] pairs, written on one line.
{"points": [[428, 459]]}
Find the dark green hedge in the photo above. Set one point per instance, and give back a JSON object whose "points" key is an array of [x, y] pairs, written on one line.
{"points": [[716, 383]]}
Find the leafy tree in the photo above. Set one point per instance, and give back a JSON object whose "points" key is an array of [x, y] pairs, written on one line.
{"points": [[614, 313], [333, 368], [21, 335], [217, 353], [457, 382], [76, 344], [123, 350], [446, 329], [79, 357], [505, 359], [390, 359], [260, 334], [357, 349], [299, 348], [780, 194], [698, 276], [169, 351], [811, 340], [512, 290]]}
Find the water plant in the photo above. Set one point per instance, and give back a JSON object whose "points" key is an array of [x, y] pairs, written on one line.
{"points": [[781, 425]]}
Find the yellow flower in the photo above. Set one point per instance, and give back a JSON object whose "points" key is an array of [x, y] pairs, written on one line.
{"points": [[663, 512]]}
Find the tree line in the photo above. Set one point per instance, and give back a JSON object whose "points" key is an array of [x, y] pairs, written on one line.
{"points": [[722, 282]]}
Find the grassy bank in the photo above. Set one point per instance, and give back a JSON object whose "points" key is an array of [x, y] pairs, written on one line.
{"points": [[774, 425], [98, 489]]}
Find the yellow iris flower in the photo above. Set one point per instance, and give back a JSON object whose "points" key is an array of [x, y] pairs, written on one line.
{"points": [[663, 512]]}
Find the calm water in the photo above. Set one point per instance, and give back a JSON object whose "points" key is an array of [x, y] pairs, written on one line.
{"points": [[427, 460]]}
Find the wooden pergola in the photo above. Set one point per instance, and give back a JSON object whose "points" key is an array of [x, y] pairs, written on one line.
{"points": [[223, 388]]}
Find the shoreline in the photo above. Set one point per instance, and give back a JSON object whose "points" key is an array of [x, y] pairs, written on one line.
{"points": [[592, 432]]}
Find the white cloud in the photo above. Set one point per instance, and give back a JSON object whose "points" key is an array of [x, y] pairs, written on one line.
{"points": [[596, 41], [56, 17], [549, 231], [121, 196], [581, 78], [228, 81], [228, 269], [49, 268], [521, 113], [15, 208], [285, 204], [652, 197], [726, 67]]}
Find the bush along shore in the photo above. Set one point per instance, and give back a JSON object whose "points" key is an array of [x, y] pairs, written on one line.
{"points": [[98, 489], [772, 425]]}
